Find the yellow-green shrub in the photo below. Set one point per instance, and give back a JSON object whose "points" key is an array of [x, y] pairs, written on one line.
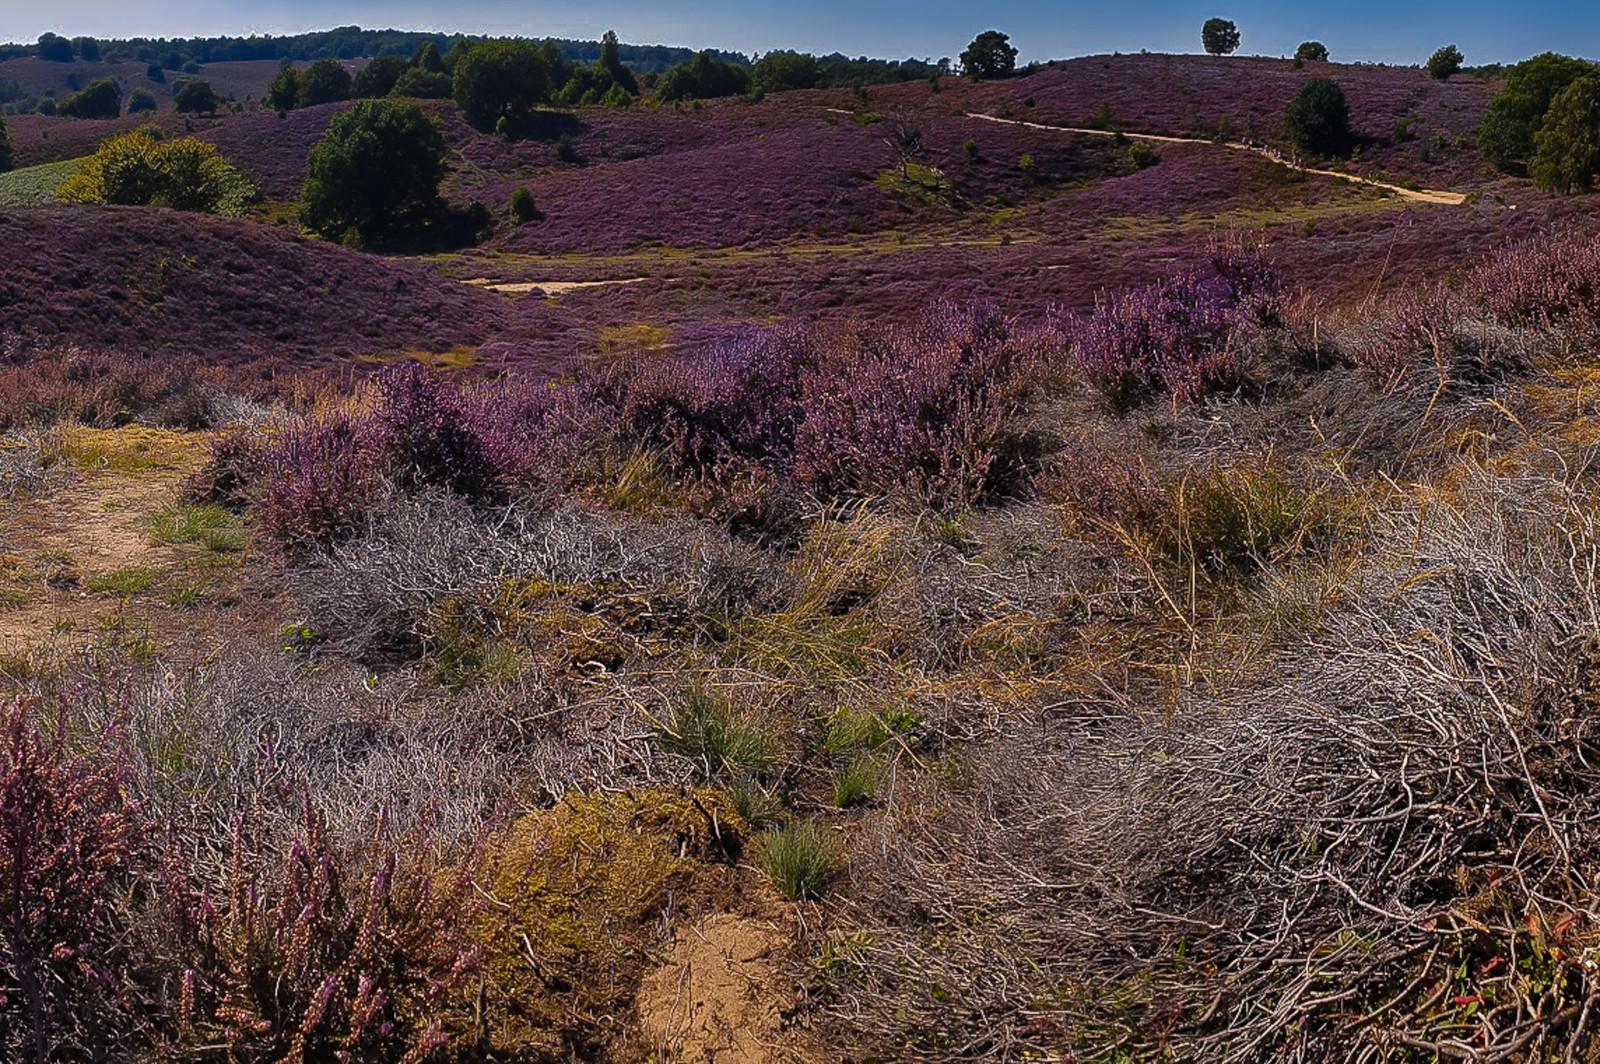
{"points": [[141, 170]]}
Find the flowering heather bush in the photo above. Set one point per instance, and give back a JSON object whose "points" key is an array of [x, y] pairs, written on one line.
{"points": [[1183, 336], [68, 833], [926, 404], [327, 956], [422, 435], [1420, 325], [315, 483], [739, 400], [1551, 283]]}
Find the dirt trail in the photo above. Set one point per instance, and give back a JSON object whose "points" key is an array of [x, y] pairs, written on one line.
{"points": [[549, 288], [1421, 195]]}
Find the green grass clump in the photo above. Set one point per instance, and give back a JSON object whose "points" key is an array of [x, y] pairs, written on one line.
{"points": [[857, 782], [34, 184], [212, 527], [849, 730], [801, 859], [705, 730], [124, 583]]}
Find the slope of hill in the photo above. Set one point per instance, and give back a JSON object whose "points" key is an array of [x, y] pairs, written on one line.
{"points": [[154, 281]]}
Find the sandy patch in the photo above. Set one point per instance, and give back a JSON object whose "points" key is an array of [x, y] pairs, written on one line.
{"points": [[549, 288], [721, 995]]}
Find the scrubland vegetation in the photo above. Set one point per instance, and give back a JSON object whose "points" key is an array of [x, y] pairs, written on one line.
{"points": [[972, 584]]}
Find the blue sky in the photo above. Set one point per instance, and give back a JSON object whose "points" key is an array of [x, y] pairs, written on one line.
{"points": [[1353, 29]]}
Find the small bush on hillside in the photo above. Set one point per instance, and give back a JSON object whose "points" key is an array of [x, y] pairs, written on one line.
{"points": [[375, 173], [154, 73], [194, 97], [137, 169], [102, 99], [139, 100], [6, 158], [523, 208], [325, 81], [566, 150], [284, 90], [1219, 36], [327, 955], [1444, 62], [1318, 118]]}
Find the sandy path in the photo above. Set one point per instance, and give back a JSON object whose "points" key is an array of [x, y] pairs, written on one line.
{"points": [[1421, 195], [549, 288]]}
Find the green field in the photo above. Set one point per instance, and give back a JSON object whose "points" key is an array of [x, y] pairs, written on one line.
{"points": [[34, 184]]}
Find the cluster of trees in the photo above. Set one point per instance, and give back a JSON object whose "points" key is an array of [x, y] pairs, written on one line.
{"points": [[345, 42], [1545, 123], [100, 99]]}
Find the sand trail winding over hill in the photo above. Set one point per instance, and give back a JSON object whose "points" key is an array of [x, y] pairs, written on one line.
{"points": [[1423, 195]]}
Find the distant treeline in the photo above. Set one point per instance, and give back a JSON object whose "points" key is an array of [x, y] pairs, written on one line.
{"points": [[353, 42], [350, 42]]}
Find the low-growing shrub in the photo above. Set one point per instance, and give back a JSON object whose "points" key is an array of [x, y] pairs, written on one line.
{"points": [[69, 834], [315, 482], [1183, 336], [1549, 283], [523, 209], [140, 169], [422, 437]]}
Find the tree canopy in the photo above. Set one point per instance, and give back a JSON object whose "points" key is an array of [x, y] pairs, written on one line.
{"points": [[1220, 36], [1444, 62], [1506, 135], [1318, 119], [1566, 153], [102, 99], [194, 97], [375, 172], [325, 81], [1312, 52], [990, 55], [498, 84], [702, 78]]}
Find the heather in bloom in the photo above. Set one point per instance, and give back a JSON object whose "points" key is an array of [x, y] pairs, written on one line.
{"points": [[68, 833], [316, 483], [1182, 336], [1551, 283], [421, 433]]}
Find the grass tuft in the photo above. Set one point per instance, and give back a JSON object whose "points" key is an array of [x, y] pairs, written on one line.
{"points": [[801, 859]]}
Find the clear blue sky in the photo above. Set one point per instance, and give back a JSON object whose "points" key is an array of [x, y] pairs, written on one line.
{"points": [[1400, 32]]}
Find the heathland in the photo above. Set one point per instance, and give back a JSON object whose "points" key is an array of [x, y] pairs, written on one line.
{"points": [[506, 555]]}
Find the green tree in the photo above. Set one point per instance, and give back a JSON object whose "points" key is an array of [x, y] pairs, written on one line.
{"points": [[782, 71], [1566, 152], [990, 55], [324, 81], [7, 160], [194, 97], [55, 49], [499, 83], [611, 63], [429, 59], [702, 78], [420, 84], [88, 49], [378, 78], [1312, 52], [140, 100], [375, 173], [1318, 119], [1220, 36], [1505, 136], [284, 90], [102, 99], [1444, 62]]}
